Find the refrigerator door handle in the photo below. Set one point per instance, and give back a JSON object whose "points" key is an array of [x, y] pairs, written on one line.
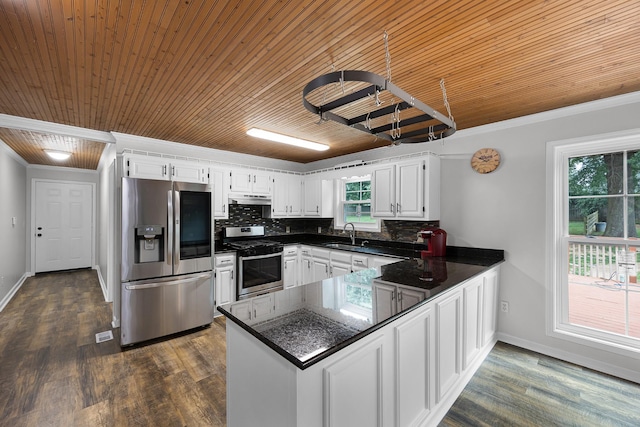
{"points": [[160, 284], [176, 232], [169, 248]]}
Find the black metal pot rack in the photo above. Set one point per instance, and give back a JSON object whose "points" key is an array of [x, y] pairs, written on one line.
{"points": [[431, 124]]}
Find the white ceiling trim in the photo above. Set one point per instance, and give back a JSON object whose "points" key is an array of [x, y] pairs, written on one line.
{"points": [[23, 123]]}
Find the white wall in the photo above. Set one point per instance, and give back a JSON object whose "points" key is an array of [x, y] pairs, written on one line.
{"points": [[105, 257], [13, 181], [506, 210]]}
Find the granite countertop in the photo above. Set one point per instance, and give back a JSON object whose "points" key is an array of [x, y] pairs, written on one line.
{"points": [[316, 320]]}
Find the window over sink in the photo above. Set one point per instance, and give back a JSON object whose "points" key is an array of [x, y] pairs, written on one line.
{"points": [[355, 204]]}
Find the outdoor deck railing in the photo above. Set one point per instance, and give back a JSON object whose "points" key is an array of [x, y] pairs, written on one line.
{"points": [[605, 261]]}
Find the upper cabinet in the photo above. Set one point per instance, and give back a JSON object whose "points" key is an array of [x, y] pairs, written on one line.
{"points": [[287, 195], [318, 198], [220, 181], [147, 167], [408, 190], [250, 181]]}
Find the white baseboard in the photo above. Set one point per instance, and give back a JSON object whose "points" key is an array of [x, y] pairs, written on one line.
{"points": [[103, 284], [587, 362], [13, 291]]}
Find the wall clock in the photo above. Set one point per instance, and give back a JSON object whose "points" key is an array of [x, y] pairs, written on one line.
{"points": [[485, 160]]}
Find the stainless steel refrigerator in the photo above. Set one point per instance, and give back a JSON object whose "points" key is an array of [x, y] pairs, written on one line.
{"points": [[167, 250]]}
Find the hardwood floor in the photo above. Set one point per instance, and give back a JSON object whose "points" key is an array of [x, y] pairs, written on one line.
{"points": [[52, 372]]}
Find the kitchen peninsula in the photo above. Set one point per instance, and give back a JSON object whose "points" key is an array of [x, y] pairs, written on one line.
{"points": [[387, 346]]}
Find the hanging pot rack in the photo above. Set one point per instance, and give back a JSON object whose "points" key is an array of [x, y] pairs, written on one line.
{"points": [[428, 126]]}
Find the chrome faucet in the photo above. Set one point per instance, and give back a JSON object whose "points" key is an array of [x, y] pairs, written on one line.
{"points": [[353, 232], [363, 243]]}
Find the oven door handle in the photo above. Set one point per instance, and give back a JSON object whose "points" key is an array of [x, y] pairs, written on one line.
{"points": [[249, 258]]}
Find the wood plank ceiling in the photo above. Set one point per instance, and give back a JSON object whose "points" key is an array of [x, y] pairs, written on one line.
{"points": [[203, 72]]}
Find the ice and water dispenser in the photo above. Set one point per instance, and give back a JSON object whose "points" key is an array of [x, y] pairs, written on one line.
{"points": [[149, 243]]}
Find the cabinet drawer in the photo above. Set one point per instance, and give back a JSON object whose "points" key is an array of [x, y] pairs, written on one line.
{"points": [[341, 256], [360, 261], [224, 260], [320, 253], [290, 251]]}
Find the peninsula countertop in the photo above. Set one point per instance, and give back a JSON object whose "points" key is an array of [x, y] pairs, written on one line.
{"points": [[313, 321]]}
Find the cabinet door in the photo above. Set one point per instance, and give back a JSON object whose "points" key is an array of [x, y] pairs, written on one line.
{"points": [[471, 321], [410, 189], [414, 367], [262, 306], [409, 297], [242, 310], [220, 182], [339, 269], [279, 201], [312, 197], [384, 301], [489, 306], [320, 270], [225, 285], [146, 167], [448, 346], [307, 271], [241, 180], [383, 197], [295, 195], [189, 172], [290, 274], [261, 182]]}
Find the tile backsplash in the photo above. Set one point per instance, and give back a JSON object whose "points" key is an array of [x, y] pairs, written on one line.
{"points": [[245, 215]]}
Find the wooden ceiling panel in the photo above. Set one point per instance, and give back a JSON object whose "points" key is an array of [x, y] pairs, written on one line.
{"points": [[203, 72]]}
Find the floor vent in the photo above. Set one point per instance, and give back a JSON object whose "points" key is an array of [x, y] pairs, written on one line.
{"points": [[104, 336]]}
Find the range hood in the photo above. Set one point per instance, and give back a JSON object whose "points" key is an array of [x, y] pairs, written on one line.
{"points": [[249, 199]]}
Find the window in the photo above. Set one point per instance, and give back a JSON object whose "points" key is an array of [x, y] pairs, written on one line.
{"points": [[355, 204], [594, 244]]}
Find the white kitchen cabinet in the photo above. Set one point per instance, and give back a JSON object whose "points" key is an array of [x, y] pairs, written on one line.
{"points": [[407, 190], [359, 262], [306, 265], [220, 182], [321, 264], [448, 343], [224, 278], [390, 298], [489, 306], [318, 198], [256, 308], [472, 321], [408, 373], [290, 266], [287, 196], [250, 181], [149, 167], [340, 263]]}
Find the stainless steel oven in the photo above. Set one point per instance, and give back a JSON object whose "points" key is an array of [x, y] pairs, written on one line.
{"points": [[259, 261]]}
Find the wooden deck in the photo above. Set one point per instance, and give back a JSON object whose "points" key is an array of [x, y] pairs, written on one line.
{"points": [[601, 304]]}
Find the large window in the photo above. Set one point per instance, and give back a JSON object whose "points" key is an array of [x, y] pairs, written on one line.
{"points": [[355, 204], [595, 294]]}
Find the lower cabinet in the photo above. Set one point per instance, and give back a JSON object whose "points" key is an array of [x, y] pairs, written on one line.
{"points": [[408, 373], [256, 308], [224, 279], [389, 299]]}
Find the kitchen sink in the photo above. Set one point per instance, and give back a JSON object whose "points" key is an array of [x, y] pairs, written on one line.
{"points": [[343, 246]]}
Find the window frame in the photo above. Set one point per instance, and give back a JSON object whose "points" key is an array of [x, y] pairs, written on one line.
{"points": [[558, 239], [339, 213]]}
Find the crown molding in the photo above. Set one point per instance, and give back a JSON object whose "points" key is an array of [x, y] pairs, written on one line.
{"points": [[33, 125], [12, 154]]}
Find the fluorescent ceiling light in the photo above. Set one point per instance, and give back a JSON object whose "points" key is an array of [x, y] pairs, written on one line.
{"points": [[58, 155], [276, 137]]}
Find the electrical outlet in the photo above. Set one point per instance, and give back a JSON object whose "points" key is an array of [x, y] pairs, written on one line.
{"points": [[319, 230], [287, 229], [504, 306]]}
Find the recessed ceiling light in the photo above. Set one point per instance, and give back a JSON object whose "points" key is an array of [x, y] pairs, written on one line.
{"points": [[276, 137], [58, 155]]}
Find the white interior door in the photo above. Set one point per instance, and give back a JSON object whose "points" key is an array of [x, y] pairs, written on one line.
{"points": [[63, 225]]}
